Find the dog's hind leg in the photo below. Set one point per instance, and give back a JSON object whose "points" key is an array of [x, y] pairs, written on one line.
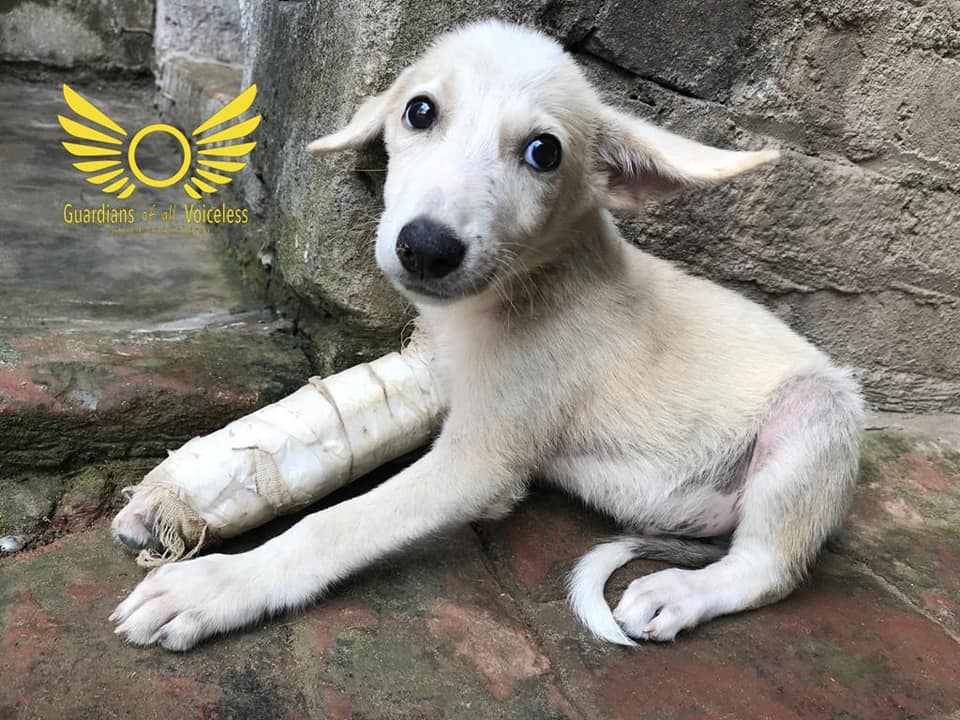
{"points": [[795, 495]]}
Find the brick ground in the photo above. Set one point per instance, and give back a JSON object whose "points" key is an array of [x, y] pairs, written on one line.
{"points": [[476, 626]]}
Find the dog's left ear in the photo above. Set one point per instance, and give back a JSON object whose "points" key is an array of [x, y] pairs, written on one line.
{"points": [[365, 125], [637, 160]]}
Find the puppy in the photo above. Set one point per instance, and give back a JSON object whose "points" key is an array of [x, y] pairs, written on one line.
{"points": [[668, 402]]}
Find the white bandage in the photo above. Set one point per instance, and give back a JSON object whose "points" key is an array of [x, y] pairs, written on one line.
{"points": [[284, 456]]}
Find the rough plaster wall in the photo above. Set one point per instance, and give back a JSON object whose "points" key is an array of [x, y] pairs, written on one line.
{"points": [[104, 34], [208, 30], [854, 238]]}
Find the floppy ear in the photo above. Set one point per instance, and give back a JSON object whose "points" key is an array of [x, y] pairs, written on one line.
{"points": [[366, 124], [637, 160]]}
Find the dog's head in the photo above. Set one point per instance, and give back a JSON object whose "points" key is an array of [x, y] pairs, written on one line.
{"points": [[497, 145]]}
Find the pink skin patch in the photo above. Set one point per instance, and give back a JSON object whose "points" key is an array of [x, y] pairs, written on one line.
{"points": [[799, 402]]}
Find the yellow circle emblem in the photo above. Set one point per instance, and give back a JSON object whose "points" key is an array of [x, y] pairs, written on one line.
{"points": [[161, 182]]}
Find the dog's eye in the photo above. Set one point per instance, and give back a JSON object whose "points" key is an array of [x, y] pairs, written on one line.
{"points": [[420, 113], [543, 153]]}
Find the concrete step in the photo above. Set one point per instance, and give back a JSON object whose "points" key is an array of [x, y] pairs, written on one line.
{"points": [[192, 90], [114, 345]]}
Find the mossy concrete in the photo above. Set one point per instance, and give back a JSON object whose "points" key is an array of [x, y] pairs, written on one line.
{"points": [[39, 506], [136, 398], [27, 504], [904, 523]]}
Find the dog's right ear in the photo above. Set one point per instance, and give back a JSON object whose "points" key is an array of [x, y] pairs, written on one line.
{"points": [[366, 123]]}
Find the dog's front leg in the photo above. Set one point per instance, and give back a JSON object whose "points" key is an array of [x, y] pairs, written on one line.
{"points": [[180, 604]]}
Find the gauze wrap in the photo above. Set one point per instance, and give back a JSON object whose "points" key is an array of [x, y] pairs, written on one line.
{"points": [[284, 456]]}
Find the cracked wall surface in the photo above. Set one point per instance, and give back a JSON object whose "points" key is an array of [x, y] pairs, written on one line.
{"points": [[853, 238]]}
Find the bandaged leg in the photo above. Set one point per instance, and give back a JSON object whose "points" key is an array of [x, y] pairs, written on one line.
{"points": [[284, 456]]}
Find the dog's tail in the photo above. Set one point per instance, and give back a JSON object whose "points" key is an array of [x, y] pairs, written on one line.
{"points": [[591, 573]]}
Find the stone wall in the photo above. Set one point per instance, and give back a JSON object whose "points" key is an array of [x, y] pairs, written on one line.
{"points": [[101, 34], [208, 30], [854, 238]]}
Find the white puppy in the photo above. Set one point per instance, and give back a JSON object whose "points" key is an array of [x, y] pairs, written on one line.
{"points": [[676, 406]]}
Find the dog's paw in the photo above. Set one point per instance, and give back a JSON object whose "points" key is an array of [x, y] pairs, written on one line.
{"points": [[180, 604], [660, 605]]}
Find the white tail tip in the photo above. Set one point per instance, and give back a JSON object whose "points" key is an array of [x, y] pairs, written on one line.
{"points": [[586, 583]]}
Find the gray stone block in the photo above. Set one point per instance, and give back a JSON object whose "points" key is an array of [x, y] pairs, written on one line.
{"points": [[104, 34], [208, 30]]}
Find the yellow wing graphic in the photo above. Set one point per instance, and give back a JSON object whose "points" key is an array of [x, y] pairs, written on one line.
{"points": [[108, 156], [102, 147], [220, 151]]}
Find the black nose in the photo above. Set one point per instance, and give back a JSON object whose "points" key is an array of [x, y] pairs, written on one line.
{"points": [[429, 249]]}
